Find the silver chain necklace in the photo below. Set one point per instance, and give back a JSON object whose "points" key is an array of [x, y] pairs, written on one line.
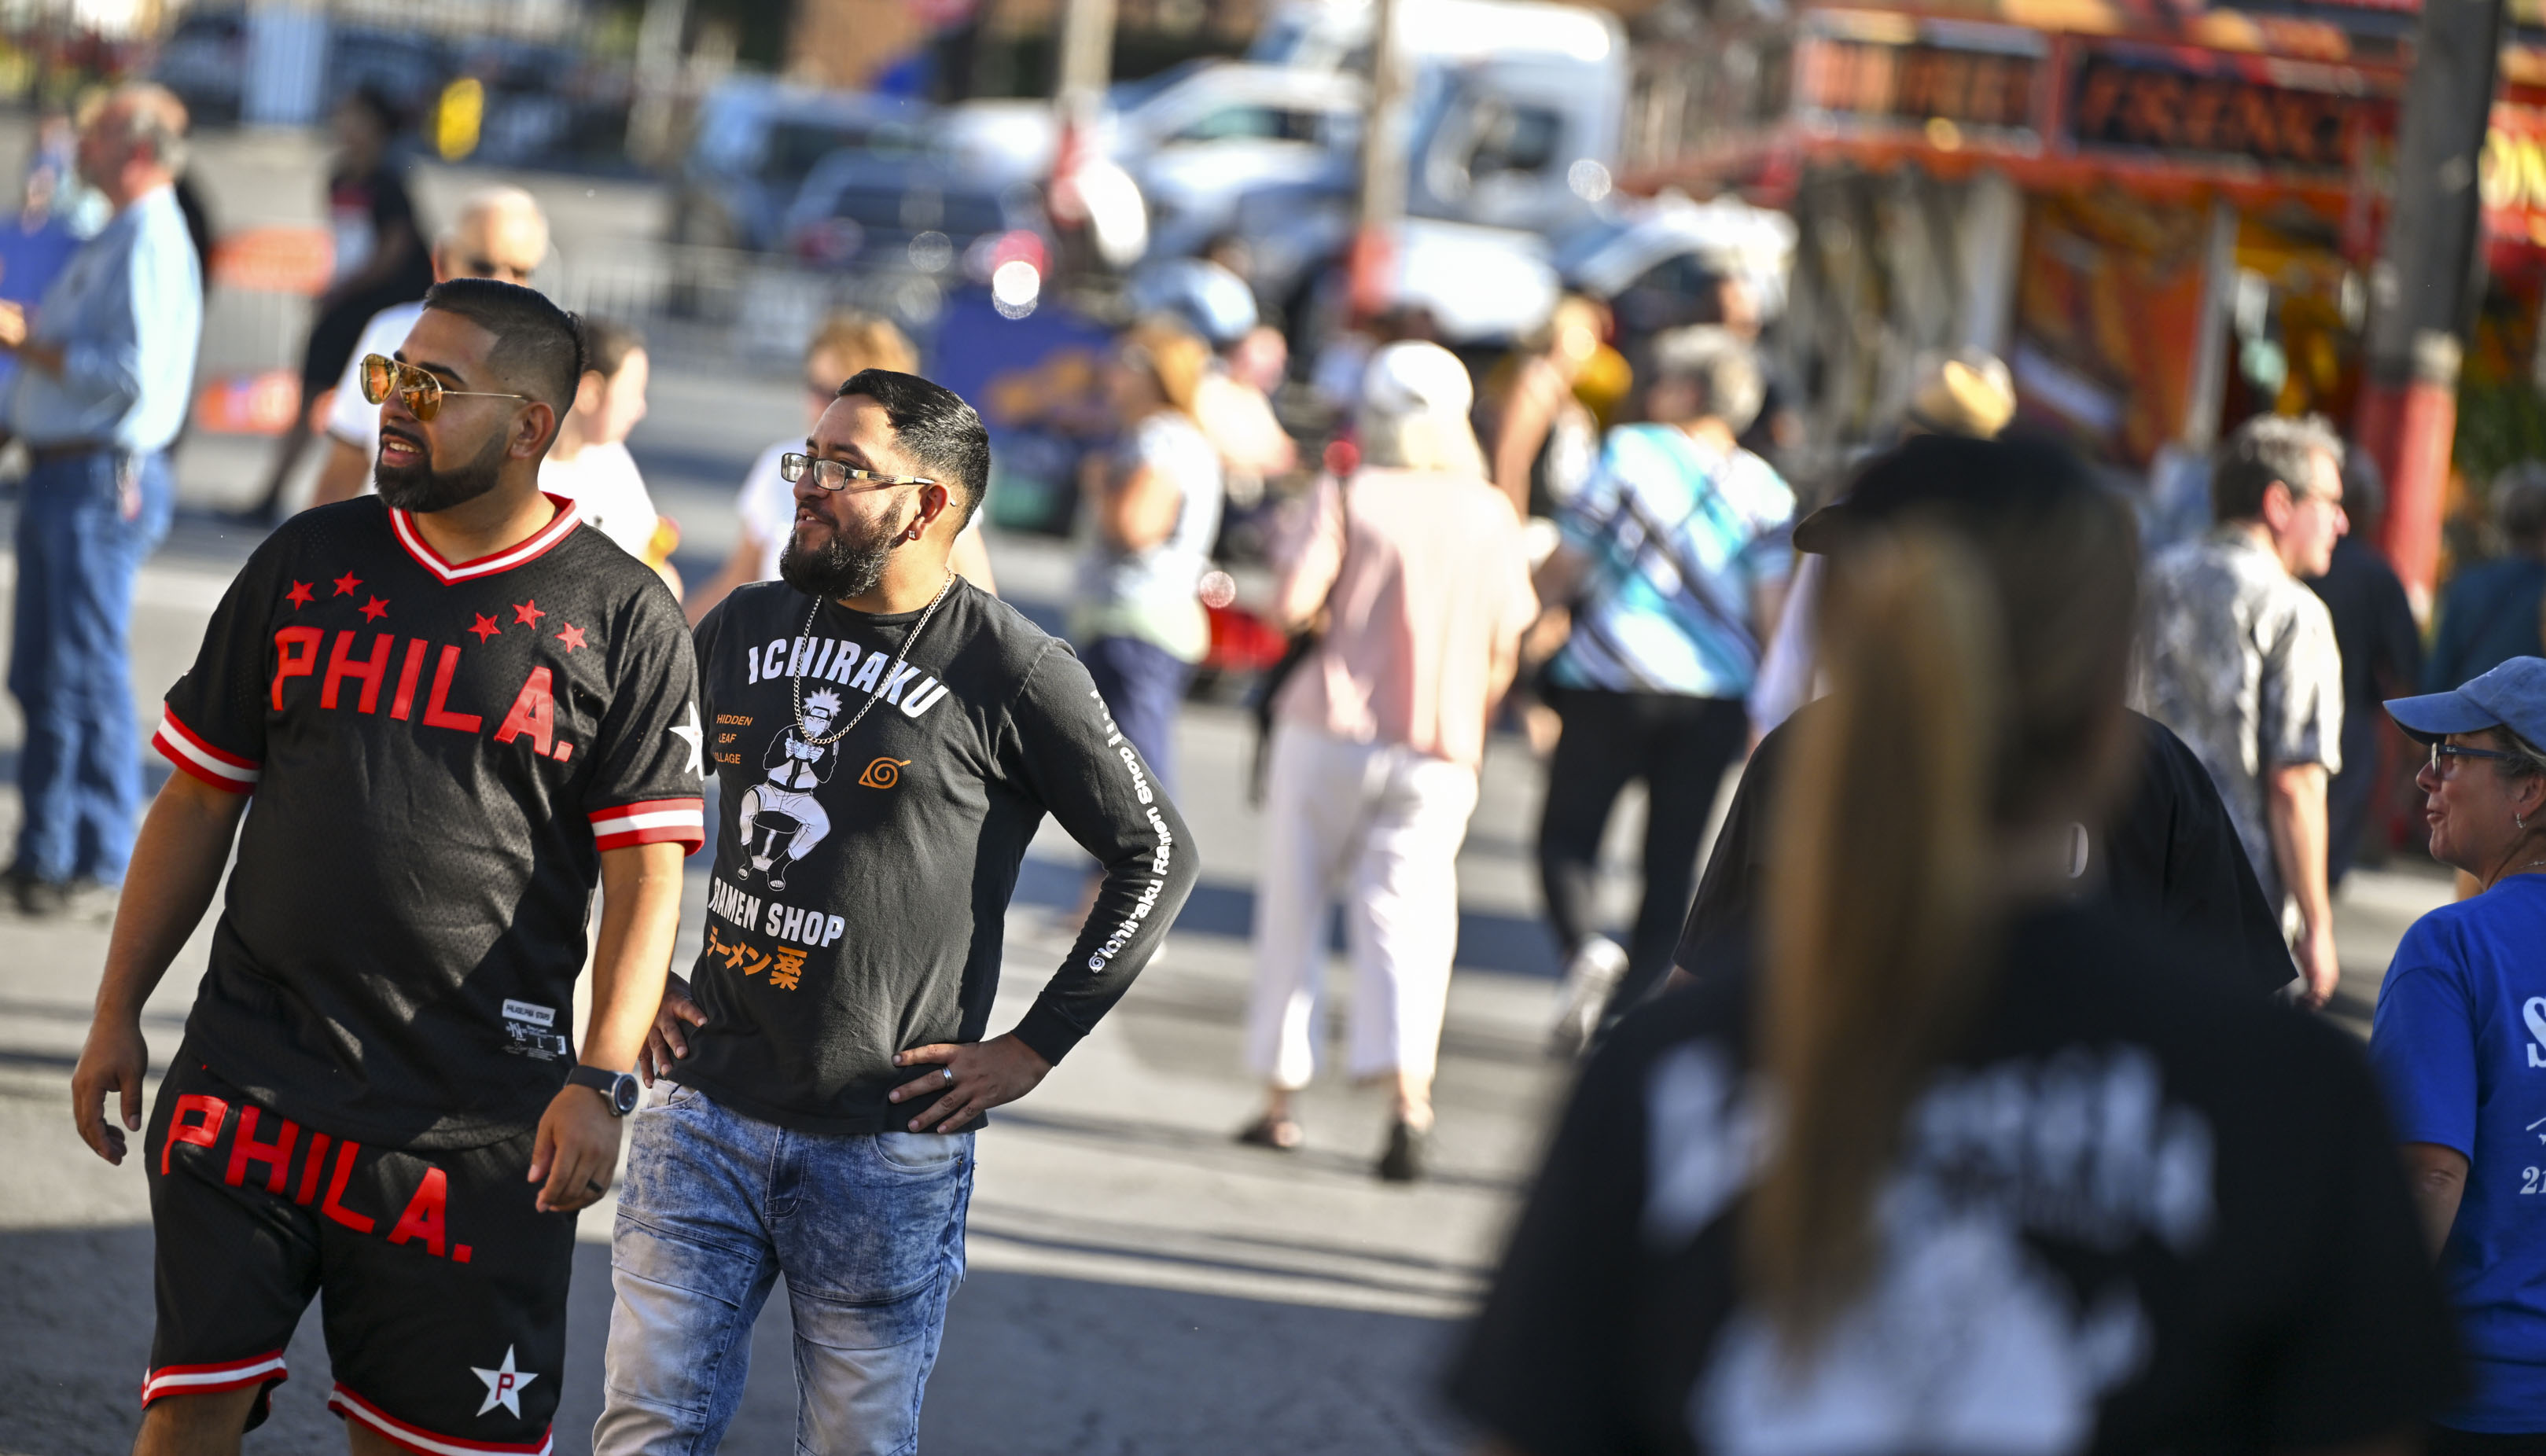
{"points": [[796, 674]]}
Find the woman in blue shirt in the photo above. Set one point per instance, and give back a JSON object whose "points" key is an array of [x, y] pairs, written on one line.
{"points": [[2460, 1042]]}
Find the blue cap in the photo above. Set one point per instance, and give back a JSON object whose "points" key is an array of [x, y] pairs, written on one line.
{"points": [[2513, 696]]}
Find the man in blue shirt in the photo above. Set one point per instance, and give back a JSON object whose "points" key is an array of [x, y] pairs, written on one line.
{"points": [[1674, 562], [2459, 1041], [106, 364]]}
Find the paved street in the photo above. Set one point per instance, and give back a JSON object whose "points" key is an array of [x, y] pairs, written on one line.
{"points": [[1139, 1284]]}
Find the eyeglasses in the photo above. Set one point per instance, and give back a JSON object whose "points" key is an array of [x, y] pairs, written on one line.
{"points": [[2441, 752], [832, 475], [420, 392]]}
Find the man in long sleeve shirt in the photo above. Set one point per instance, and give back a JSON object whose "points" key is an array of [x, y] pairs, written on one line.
{"points": [[107, 361], [889, 737]]}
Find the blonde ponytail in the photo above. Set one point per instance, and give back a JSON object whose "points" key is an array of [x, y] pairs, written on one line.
{"points": [[1879, 897]]}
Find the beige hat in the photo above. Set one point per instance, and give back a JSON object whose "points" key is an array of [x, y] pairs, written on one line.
{"points": [[1964, 392]]}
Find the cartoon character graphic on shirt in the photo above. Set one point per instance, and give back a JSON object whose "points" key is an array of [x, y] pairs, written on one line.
{"points": [[780, 818]]}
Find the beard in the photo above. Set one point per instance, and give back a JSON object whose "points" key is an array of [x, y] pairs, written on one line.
{"points": [[421, 489], [845, 567]]}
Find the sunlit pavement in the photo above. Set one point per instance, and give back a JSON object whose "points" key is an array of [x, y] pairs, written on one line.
{"points": [[1139, 1284]]}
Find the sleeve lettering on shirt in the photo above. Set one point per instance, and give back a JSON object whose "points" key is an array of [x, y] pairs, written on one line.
{"points": [[1130, 925]]}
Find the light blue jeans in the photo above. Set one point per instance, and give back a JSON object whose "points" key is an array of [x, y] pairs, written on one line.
{"points": [[715, 1206]]}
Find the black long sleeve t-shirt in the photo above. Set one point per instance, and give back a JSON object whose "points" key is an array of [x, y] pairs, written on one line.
{"points": [[861, 884]]}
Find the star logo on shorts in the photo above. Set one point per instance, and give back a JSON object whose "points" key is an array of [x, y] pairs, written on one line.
{"points": [[503, 1385]]}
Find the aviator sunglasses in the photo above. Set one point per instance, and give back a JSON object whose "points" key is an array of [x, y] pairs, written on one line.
{"points": [[420, 392]]}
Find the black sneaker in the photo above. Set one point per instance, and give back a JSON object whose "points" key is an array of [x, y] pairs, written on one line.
{"points": [[39, 898], [1408, 1150]]}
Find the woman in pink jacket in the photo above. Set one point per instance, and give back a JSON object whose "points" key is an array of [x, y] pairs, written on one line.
{"points": [[1417, 570]]}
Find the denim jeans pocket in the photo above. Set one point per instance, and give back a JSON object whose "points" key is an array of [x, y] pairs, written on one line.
{"points": [[919, 1153]]}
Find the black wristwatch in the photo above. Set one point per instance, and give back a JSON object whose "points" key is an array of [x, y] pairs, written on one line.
{"points": [[617, 1088]]}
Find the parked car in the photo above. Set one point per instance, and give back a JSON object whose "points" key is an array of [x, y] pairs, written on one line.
{"points": [[1197, 145], [1658, 262], [756, 142], [408, 67], [205, 61], [909, 207]]}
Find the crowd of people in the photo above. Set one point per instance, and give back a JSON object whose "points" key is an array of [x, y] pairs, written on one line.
{"points": [[1967, 1099]]}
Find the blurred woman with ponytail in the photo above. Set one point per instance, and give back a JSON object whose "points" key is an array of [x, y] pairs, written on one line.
{"points": [[1965, 1161]]}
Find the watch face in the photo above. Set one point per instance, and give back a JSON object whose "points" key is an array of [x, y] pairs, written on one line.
{"points": [[622, 1095]]}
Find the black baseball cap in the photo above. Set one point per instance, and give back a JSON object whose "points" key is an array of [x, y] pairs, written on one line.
{"points": [[1962, 480]]}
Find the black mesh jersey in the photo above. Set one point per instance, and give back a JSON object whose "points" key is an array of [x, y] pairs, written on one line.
{"points": [[438, 755]]}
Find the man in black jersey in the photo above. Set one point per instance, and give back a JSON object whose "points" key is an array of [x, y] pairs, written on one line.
{"points": [[446, 713], [889, 738]]}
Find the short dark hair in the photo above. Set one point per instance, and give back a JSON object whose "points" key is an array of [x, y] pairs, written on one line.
{"points": [[369, 98], [607, 343], [537, 345], [934, 427], [2364, 488], [2268, 449]]}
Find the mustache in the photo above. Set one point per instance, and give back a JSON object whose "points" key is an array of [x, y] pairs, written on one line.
{"points": [[393, 432]]}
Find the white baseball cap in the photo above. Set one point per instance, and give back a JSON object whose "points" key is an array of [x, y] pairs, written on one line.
{"points": [[1414, 378]]}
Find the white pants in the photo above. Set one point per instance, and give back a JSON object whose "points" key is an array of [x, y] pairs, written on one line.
{"points": [[1379, 824]]}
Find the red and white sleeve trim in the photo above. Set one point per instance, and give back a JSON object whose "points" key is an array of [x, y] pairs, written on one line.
{"points": [[654, 822], [204, 1380], [187, 750], [416, 1439]]}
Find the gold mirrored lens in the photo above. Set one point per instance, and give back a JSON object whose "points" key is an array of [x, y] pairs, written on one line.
{"points": [[421, 392]]}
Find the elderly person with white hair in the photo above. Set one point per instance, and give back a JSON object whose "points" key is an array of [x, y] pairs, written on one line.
{"points": [[500, 233], [1417, 569], [106, 364]]}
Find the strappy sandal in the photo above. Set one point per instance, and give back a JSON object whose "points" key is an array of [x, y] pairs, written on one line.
{"points": [[1279, 1134]]}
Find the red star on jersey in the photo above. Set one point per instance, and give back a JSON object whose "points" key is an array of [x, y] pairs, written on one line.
{"points": [[572, 636], [346, 583], [299, 596], [374, 609], [485, 626], [528, 612]]}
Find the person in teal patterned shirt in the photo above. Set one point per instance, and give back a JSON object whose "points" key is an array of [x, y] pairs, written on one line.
{"points": [[1675, 563]]}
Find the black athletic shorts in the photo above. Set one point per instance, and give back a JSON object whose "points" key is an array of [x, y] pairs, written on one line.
{"points": [[446, 1287]]}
